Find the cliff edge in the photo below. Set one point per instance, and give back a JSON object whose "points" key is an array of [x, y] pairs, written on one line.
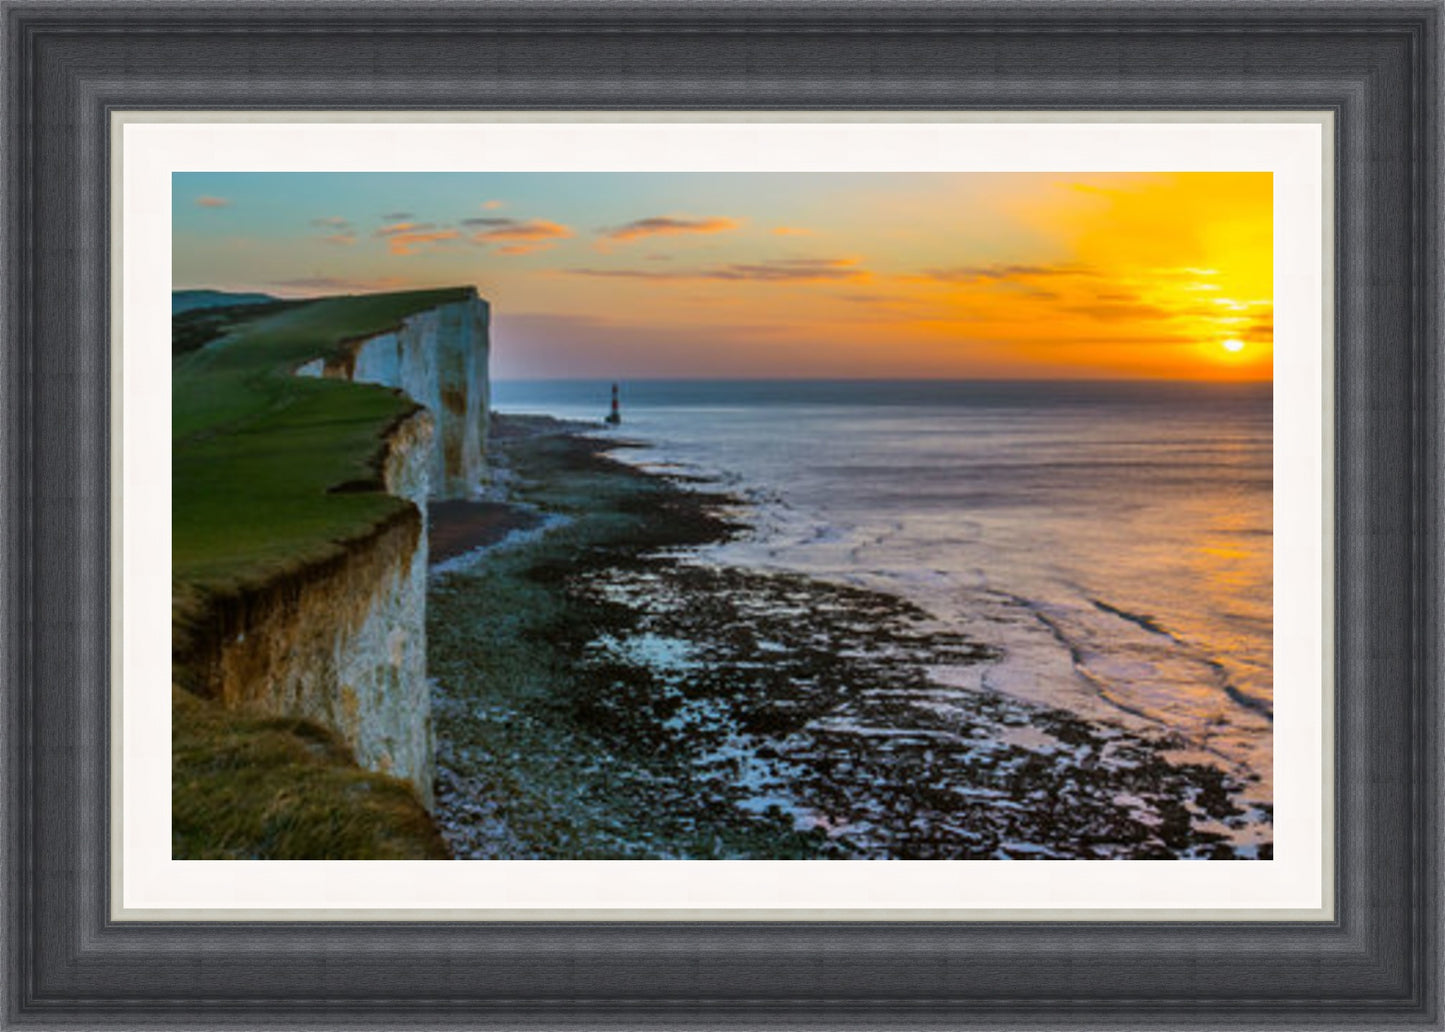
{"points": [[307, 443]]}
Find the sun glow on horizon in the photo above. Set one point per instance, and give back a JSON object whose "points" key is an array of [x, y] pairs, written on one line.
{"points": [[686, 275]]}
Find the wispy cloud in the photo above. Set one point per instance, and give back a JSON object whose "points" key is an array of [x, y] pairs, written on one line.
{"points": [[1121, 311], [209, 201], [308, 285], [1002, 271], [668, 225], [518, 236], [403, 227], [340, 231], [405, 243], [493, 205], [778, 270], [793, 231], [863, 298], [397, 216], [1261, 330], [404, 238]]}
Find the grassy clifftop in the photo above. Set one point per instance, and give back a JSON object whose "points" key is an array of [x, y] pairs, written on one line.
{"points": [[255, 449]]}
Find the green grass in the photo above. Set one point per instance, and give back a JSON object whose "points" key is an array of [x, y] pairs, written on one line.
{"points": [[255, 449], [254, 788]]}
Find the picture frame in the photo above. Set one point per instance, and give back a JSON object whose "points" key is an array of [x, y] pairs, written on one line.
{"points": [[69, 66]]}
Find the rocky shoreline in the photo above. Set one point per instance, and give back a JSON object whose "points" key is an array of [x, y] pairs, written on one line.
{"points": [[599, 692]]}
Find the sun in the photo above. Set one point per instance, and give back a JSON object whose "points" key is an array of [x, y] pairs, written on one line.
{"points": [[1234, 345]]}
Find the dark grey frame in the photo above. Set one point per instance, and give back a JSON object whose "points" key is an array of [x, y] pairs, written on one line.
{"points": [[1375, 64]]}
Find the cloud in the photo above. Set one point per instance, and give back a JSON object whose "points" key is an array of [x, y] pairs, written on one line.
{"points": [[404, 227], [521, 236], [1260, 331], [793, 231], [407, 242], [778, 270], [518, 229], [313, 285], [1115, 311], [864, 298], [397, 216], [341, 232], [1002, 271], [792, 270], [213, 202], [493, 205], [403, 238], [667, 225]]}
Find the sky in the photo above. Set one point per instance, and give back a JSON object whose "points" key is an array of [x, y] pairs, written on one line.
{"points": [[636, 275]]}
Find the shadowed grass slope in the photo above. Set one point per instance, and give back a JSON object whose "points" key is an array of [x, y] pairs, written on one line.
{"points": [[256, 788]]}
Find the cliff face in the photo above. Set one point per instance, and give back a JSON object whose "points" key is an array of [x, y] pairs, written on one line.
{"points": [[343, 642], [439, 359]]}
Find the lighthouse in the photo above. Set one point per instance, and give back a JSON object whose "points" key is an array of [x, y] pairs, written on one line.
{"points": [[615, 416]]}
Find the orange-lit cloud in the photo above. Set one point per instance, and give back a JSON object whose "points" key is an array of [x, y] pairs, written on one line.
{"points": [[317, 285], [793, 231], [669, 225], [998, 272], [521, 236], [340, 239], [212, 202], [404, 238], [864, 298], [403, 227], [777, 270], [493, 205]]}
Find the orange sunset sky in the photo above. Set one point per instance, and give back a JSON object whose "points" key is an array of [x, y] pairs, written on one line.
{"points": [[662, 275]]}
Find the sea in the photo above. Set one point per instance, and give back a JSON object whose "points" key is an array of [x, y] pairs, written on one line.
{"points": [[1111, 541]]}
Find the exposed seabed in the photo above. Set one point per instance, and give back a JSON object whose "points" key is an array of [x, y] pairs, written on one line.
{"points": [[600, 692]]}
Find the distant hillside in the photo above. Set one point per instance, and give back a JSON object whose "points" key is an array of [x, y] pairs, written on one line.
{"points": [[186, 300], [197, 326]]}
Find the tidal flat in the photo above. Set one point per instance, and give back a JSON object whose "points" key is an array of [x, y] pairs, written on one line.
{"points": [[601, 691]]}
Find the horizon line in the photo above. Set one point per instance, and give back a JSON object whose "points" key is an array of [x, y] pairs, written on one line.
{"points": [[881, 379]]}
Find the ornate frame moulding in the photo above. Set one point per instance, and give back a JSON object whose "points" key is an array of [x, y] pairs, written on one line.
{"points": [[1374, 66]]}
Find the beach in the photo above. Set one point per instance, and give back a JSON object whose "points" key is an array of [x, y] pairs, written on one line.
{"points": [[605, 687]]}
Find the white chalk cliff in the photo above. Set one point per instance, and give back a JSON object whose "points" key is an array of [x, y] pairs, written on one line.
{"points": [[343, 642]]}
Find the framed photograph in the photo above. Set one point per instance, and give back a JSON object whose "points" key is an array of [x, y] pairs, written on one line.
{"points": [[649, 517]]}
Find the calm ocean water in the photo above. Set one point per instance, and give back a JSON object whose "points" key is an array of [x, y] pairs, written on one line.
{"points": [[1114, 541]]}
